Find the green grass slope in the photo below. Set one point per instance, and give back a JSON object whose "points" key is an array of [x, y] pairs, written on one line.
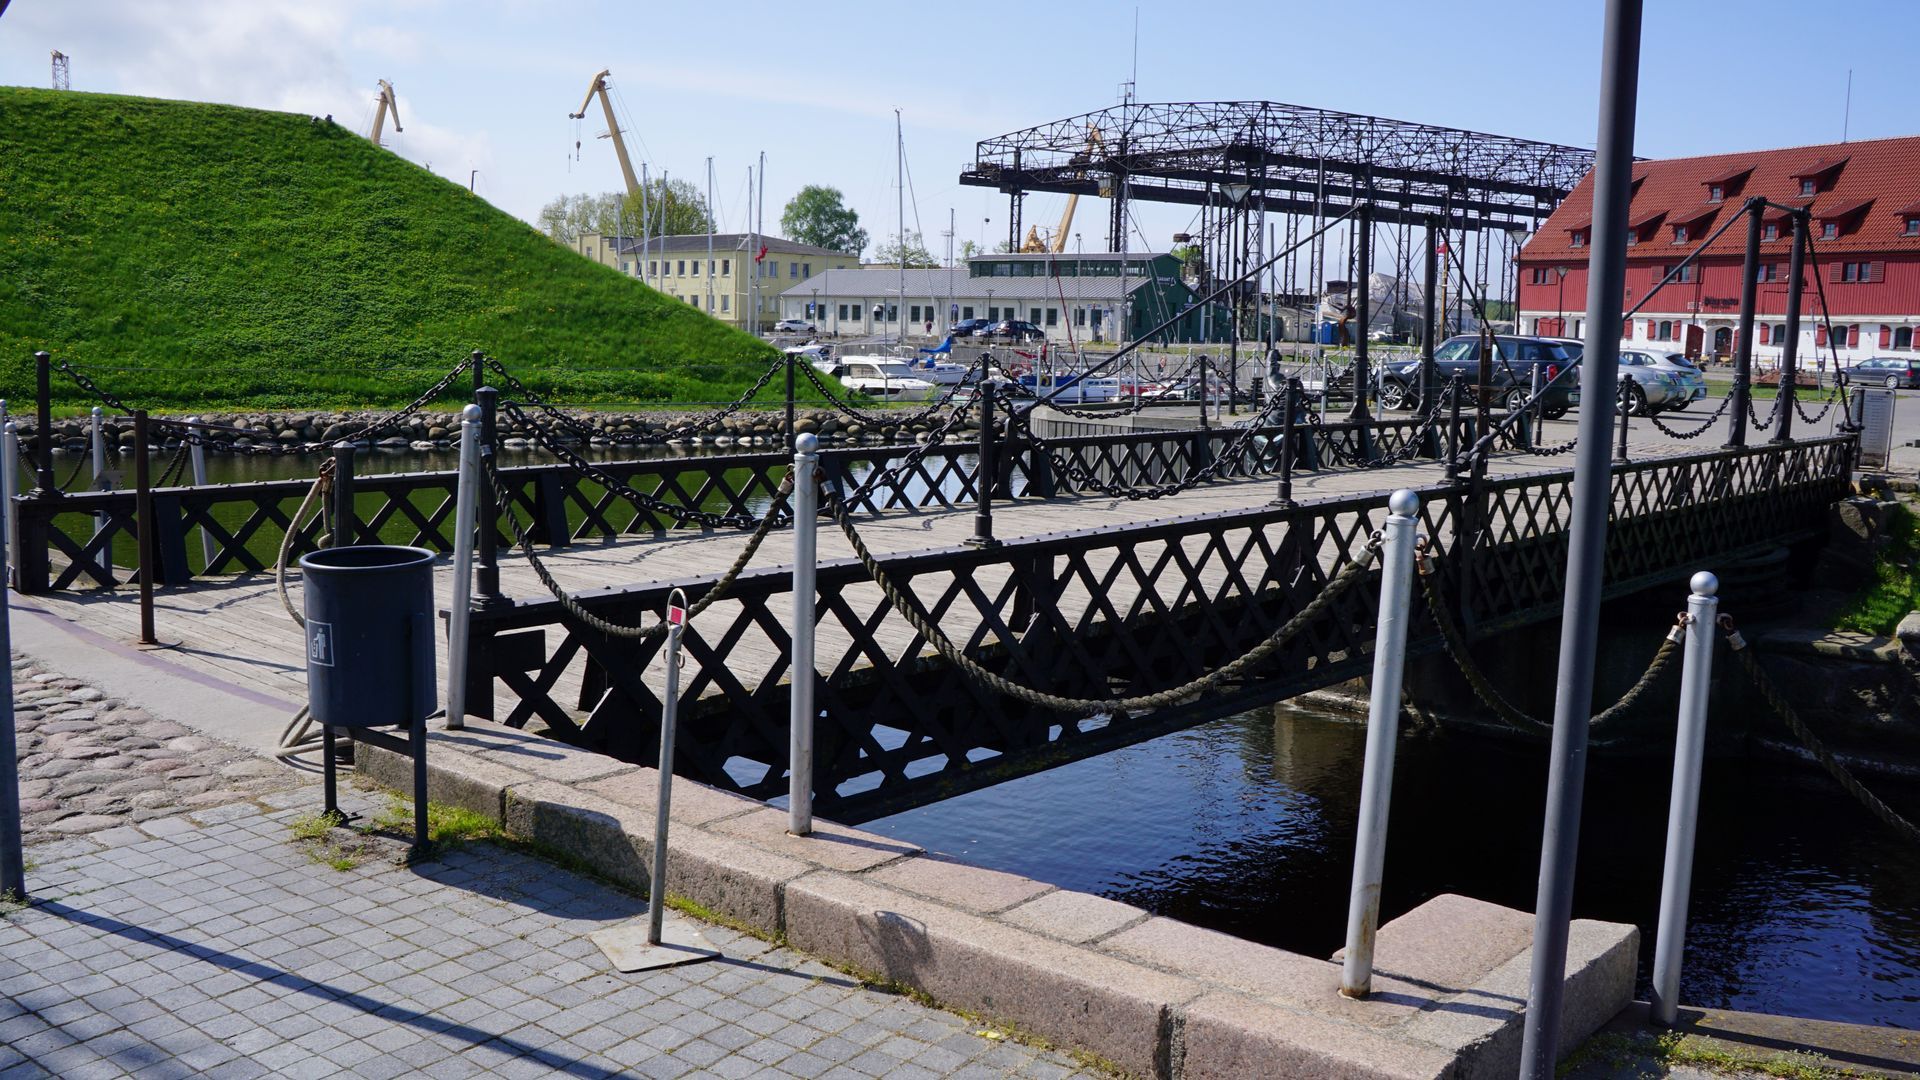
{"points": [[193, 255]]}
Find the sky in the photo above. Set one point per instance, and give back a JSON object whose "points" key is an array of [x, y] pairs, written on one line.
{"points": [[487, 85]]}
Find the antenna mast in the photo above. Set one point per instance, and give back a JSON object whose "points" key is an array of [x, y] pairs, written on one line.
{"points": [[61, 81]]}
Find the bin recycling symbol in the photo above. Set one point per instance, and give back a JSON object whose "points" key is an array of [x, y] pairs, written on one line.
{"points": [[320, 643]]}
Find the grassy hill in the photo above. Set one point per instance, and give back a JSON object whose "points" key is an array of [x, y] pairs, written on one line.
{"points": [[192, 255]]}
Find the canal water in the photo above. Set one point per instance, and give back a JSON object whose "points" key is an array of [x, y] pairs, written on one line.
{"points": [[1802, 905]]}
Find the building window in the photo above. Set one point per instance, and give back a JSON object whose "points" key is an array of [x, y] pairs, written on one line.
{"points": [[913, 313], [1665, 332], [793, 270], [694, 300], [1079, 316], [653, 268], [993, 314], [1033, 316], [1853, 271], [726, 267], [1765, 335], [1716, 193], [1579, 240], [1053, 316], [842, 313], [1687, 272], [726, 302], [1808, 187], [682, 272], [893, 312], [1769, 231], [1829, 230], [806, 269], [1903, 337], [966, 313], [626, 267], [1766, 272], [1679, 234], [696, 268], [1633, 237], [1913, 226]]}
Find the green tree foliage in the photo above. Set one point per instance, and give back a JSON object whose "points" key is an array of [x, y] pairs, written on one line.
{"points": [[820, 216], [231, 258], [913, 254], [968, 249], [672, 207]]}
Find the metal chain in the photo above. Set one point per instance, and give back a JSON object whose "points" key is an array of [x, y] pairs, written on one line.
{"points": [[1456, 647], [643, 501], [1140, 404], [894, 474], [1079, 471], [171, 474], [1785, 710], [1754, 417], [688, 428], [1706, 423], [954, 655], [524, 540], [888, 421], [1824, 409]]}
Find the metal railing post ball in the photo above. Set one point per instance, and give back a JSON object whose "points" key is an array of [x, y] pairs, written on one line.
{"points": [[1689, 754], [806, 527], [460, 611]]}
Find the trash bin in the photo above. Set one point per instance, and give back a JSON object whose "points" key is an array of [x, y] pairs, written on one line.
{"points": [[369, 635]]}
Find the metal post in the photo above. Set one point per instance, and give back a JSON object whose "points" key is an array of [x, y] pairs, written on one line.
{"points": [[1383, 729], [985, 474], [1742, 391], [460, 612], [97, 440], [806, 526], [790, 432], [1455, 386], [1626, 415], [344, 523], [9, 487], [44, 483], [477, 367], [669, 719], [487, 576], [1689, 752], [1363, 258], [1587, 531], [197, 458], [1285, 496], [1790, 355], [1429, 382], [13, 865], [143, 525]]}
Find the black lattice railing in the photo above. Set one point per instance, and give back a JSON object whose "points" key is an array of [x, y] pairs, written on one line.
{"points": [[1100, 613]]}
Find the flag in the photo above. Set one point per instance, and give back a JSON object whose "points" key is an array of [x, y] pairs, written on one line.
{"points": [[762, 254]]}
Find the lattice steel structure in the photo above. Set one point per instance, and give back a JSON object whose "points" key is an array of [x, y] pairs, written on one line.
{"points": [[1288, 155]]}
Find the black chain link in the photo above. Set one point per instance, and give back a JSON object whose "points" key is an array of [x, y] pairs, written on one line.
{"points": [[895, 474], [685, 429], [879, 420], [1228, 456], [1705, 423]]}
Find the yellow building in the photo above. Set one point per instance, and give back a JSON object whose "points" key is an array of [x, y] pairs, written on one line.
{"points": [[720, 284]]}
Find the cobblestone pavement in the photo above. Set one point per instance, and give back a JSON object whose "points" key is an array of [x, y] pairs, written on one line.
{"points": [[89, 762], [214, 944]]}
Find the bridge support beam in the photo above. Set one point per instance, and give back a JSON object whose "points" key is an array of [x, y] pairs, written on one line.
{"points": [[1742, 391], [1790, 354], [1587, 534]]}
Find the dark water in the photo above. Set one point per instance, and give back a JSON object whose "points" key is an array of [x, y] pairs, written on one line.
{"points": [[1802, 904], [239, 468]]}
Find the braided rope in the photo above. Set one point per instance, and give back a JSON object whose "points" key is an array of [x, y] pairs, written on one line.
{"points": [[1456, 646], [1781, 707], [956, 656], [1080, 472], [524, 540], [321, 484], [643, 501]]}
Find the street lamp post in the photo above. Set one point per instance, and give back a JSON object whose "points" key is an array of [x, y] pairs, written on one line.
{"points": [[1560, 305]]}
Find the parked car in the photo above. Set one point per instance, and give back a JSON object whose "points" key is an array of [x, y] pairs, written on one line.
{"points": [[881, 377], [971, 327], [1892, 372], [1510, 382], [1661, 381], [1013, 329], [793, 326]]}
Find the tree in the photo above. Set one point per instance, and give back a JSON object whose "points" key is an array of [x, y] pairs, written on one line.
{"points": [[1192, 260], [968, 249], [913, 254], [673, 207], [820, 216]]}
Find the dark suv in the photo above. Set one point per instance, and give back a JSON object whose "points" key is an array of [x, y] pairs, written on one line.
{"points": [[970, 327], [1014, 329], [1510, 383]]}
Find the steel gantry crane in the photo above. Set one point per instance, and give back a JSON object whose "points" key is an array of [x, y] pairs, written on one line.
{"points": [[599, 86], [386, 103]]}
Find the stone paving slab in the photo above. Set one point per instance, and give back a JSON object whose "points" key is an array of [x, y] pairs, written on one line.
{"points": [[214, 944]]}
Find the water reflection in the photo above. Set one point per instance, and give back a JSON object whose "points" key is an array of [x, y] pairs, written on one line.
{"points": [[1802, 904]]}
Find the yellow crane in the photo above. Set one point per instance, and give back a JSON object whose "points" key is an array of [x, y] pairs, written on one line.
{"points": [[387, 103], [599, 86]]}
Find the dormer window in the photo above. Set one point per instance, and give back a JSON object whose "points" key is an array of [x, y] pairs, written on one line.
{"points": [[1770, 231], [1829, 230], [1808, 186], [1818, 176], [1633, 237], [1913, 227], [1679, 234], [1717, 193]]}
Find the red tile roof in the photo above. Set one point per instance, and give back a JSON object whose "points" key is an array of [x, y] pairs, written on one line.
{"points": [[1885, 171], [1698, 213], [1840, 211], [1728, 176]]}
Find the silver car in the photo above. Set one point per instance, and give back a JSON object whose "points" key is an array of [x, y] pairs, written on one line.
{"points": [[1661, 380]]}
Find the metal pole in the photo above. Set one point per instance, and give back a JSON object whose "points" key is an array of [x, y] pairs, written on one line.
{"points": [[1285, 497], [1689, 752], [669, 719], [806, 526], [1626, 415], [44, 483], [96, 436], [1455, 386], [790, 432], [143, 525], [1383, 728], [1790, 354], [1592, 473], [13, 864], [344, 525], [1429, 382], [984, 476], [9, 485], [488, 574], [460, 615], [197, 458], [1742, 391], [1363, 255]]}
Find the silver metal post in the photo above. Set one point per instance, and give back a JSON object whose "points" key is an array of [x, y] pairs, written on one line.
{"points": [[197, 458], [460, 615], [13, 865], [97, 439], [669, 715], [1383, 729], [9, 487], [1689, 752], [806, 525]]}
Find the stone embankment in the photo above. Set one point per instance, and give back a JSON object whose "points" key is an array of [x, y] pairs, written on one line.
{"points": [[316, 431]]}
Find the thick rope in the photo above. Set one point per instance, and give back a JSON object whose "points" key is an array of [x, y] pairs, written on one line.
{"points": [[1483, 687], [523, 538], [321, 484], [956, 656], [1771, 694]]}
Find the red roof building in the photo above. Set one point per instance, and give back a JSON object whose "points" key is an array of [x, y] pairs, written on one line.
{"points": [[1864, 202]]}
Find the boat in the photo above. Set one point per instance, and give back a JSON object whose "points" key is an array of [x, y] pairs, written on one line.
{"points": [[885, 378], [1070, 387]]}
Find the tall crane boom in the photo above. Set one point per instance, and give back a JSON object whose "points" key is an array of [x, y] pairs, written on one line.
{"points": [[387, 103], [599, 86]]}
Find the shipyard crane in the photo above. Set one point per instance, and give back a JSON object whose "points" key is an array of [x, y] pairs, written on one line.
{"points": [[387, 103], [1034, 245], [599, 86]]}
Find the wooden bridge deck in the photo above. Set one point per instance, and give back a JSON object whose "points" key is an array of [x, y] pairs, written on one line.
{"points": [[235, 629]]}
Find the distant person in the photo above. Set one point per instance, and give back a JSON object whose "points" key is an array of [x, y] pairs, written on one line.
{"points": [[929, 327]]}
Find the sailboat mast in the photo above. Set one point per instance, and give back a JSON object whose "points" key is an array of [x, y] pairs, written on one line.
{"points": [[900, 190], [759, 230], [710, 224]]}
